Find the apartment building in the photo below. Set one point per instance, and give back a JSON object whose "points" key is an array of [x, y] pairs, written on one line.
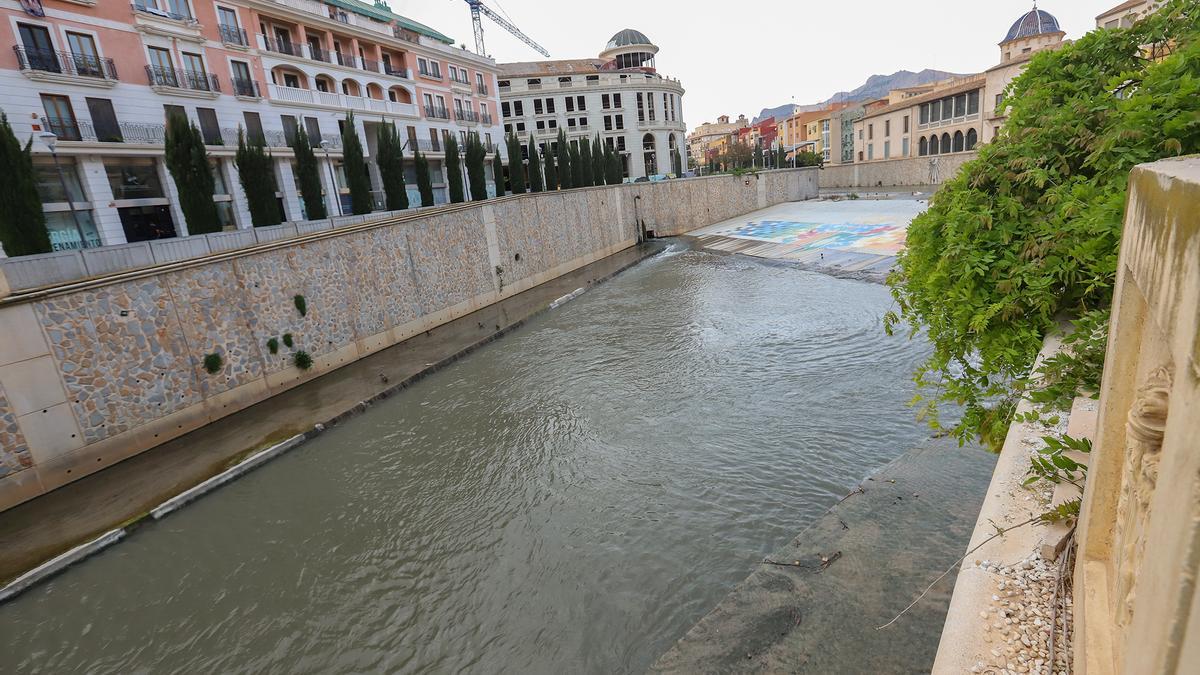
{"points": [[101, 77], [619, 96], [703, 138]]}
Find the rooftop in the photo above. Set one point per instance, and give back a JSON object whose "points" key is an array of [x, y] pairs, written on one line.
{"points": [[626, 38], [559, 67], [382, 12], [1124, 6], [1035, 22], [974, 82]]}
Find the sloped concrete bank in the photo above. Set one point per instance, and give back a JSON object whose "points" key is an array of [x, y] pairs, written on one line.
{"points": [[96, 370], [42, 537], [817, 605]]}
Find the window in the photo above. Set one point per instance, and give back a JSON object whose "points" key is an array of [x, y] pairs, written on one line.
{"points": [[210, 129], [133, 177], [541, 125], [959, 141], [904, 147], [924, 119], [290, 128], [616, 100], [650, 104], [312, 127], [608, 123], [570, 104], [227, 17], [887, 149], [254, 130], [243, 82], [505, 109], [518, 109], [905, 124], [935, 111], [641, 108], [434, 140], [923, 146], [972, 139], [973, 102], [887, 128], [160, 60], [60, 117], [195, 65], [604, 101], [871, 151], [580, 103], [999, 102], [550, 105], [104, 120], [429, 68], [291, 80], [84, 54], [960, 105], [537, 106], [870, 132], [39, 48]]}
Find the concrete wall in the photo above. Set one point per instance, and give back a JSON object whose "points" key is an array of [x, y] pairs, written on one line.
{"points": [[1137, 600], [897, 172], [98, 370]]}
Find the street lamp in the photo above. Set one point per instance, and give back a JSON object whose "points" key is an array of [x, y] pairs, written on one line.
{"points": [[51, 142], [337, 195]]}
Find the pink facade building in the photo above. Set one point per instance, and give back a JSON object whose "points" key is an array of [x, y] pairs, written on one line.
{"points": [[102, 75]]}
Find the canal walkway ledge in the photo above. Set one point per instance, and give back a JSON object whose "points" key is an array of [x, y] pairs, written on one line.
{"points": [[95, 371]]}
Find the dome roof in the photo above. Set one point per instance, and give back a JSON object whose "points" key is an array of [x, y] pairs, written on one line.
{"points": [[626, 38], [1036, 22]]}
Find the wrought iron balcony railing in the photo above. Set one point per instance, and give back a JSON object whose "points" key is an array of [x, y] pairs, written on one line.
{"points": [[154, 11], [395, 71], [66, 63], [481, 89], [370, 65], [466, 116], [282, 46], [437, 112], [232, 35], [182, 79], [246, 88], [486, 118]]}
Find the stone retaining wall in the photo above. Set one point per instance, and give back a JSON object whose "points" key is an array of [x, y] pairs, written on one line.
{"points": [[98, 370], [895, 172]]}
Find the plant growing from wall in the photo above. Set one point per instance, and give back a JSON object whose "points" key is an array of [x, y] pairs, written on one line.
{"points": [[308, 175], [516, 165], [550, 169], [288, 341], [535, 167], [454, 177], [273, 345], [598, 172], [389, 150], [302, 360], [498, 173], [476, 171], [563, 157], [213, 363], [1028, 232], [355, 167], [576, 165], [586, 166], [424, 182], [301, 304], [187, 160], [22, 222], [256, 173]]}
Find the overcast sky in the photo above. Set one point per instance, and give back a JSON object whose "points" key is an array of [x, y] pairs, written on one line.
{"points": [[740, 58]]}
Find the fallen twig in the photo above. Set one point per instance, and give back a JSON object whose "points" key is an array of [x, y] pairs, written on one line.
{"points": [[826, 561]]}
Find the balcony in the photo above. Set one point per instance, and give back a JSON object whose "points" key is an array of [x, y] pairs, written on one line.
{"points": [[564, 82], [246, 88], [370, 65], [281, 46], [393, 71], [435, 112], [139, 133], [161, 13], [35, 61], [232, 35], [466, 116], [335, 100], [486, 119], [177, 78], [481, 89]]}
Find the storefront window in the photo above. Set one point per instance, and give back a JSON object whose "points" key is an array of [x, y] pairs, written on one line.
{"points": [[219, 187], [64, 235], [133, 178], [50, 186]]}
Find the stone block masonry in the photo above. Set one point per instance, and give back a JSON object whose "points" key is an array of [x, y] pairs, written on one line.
{"points": [[914, 171], [97, 370]]}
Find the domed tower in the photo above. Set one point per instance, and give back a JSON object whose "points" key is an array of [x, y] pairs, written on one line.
{"points": [[1031, 32], [629, 49]]}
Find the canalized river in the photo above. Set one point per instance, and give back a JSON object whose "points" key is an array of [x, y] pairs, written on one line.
{"points": [[570, 498]]}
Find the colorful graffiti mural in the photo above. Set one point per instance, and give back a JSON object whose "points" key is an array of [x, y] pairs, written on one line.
{"points": [[876, 238]]}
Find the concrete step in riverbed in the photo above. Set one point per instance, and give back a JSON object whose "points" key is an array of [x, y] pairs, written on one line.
{"points": [[820, 607]]}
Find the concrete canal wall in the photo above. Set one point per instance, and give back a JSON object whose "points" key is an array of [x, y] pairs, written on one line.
{"points": [[98, 369], [895, 172]]}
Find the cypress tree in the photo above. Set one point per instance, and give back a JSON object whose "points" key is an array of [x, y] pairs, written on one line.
{"points": [[390, 159], [454, 178], [676, 163], [257, 177], [535, 167], [22, 222], [424, 183], [308, 175], [550, 170], [187, 160], [614, 167], [576, 166], [597, 161], [356, 168], [516, 166], [498, 173], [585, 161], [564, 171], [476, 176]]}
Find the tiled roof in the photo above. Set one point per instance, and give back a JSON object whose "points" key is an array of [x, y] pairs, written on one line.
{"points": [[1122, 7], [560, 67], [382, 12]]}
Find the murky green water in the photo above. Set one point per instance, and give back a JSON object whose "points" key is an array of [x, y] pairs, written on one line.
{"points": [[570, 498]]}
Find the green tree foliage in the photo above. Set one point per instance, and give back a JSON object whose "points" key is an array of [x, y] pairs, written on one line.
{"points": [[454, 177], [22, 222], [476, 172], [535, 167], [576, 165], [257, 176], [586, 166], [498, 173], [676, 162], [1028, 232], [187, 160], [597, 161], [780, 157], [308, 175], [758, 155], [613, 166], [424, 182], [389, 150], [356, 168], [566, 172], [550, 170], [516, 165], [807, 158], [736, 156]]}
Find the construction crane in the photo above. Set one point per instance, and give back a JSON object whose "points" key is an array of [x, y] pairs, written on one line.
{"points": [[477, 8]]}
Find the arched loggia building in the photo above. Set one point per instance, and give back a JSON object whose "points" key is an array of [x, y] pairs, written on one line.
{"points": [[620, 96]]}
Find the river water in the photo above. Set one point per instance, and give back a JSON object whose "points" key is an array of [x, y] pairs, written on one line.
{"points": [[570, 498]]}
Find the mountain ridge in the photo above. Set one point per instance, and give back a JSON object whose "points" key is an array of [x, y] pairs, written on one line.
{"points": [[876, 86]]}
